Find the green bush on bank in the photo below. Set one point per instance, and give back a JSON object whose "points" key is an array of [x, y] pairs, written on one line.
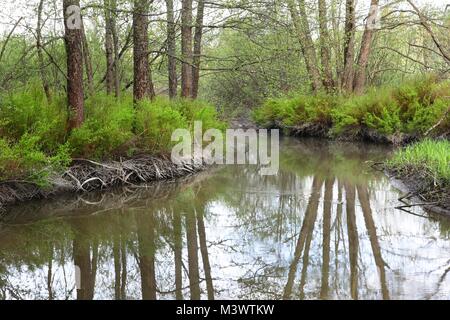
{"points": [[34, 141], [410, 108]]}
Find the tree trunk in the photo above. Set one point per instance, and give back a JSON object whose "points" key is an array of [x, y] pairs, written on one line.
{"points": [[140, 49], [109, 48], [349, 43], [171, 50], [87, 61], [113, 5], [328, 81], [364, 53], [73, 42], [197, 47], [44, 79], [186, 48], [301, 26]]}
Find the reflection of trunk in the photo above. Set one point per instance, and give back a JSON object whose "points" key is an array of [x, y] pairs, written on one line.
{"points": [[352, 239], [50, 273], [191, 238], [123, 252], [328, 198], [308, 222], [171, 50], [338, 232], [82, 260], [364, 200], [204, 252], [197, 47], [305, 260], [117, 264], [178, 254], [146, 244]]}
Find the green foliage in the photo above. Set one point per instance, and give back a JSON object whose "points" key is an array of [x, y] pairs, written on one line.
{"points": [[430, 156], [411, 108], [106, 129], [35, 143], [25, 160]]}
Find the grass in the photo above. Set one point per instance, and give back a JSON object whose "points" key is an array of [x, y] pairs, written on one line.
{"points": [[410, 109], [428, 156]]}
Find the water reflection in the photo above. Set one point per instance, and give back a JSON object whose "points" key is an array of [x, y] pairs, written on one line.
{"points": [[324, 227]]}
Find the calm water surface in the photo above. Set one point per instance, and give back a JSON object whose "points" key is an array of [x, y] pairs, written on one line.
{"points": [[325, 227]]}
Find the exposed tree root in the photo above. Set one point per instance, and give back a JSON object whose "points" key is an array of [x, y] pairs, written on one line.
{"points": [[86, 175]]}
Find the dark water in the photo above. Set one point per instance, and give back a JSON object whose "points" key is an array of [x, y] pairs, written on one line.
{"points": [[325, 227]]}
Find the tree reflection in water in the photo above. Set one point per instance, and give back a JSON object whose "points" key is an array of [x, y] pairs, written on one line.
{"points": [[324, 227]]}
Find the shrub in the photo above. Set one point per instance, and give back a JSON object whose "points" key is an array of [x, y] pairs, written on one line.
{"points": [[25, 160], [106, 130]]}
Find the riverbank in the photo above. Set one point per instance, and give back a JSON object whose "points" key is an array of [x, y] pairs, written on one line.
{"points": [[119, 142], [87, 175], [394, 115], [424, 168]]}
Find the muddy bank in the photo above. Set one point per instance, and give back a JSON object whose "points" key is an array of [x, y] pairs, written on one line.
{"points": [[420, 190], [86, 175]]}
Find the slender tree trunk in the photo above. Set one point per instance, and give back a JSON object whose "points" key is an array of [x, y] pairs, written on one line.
{"points": [[115, 37], [186, 48], [109, 48], [349, 44], [171, 50], [301, 25], [325, 55], [197, 47], [73, 42], [140, 49], [87, 62], [42, 72], [364, 53]]}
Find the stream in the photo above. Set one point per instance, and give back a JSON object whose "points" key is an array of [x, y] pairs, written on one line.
{"points": [[325, 227]]}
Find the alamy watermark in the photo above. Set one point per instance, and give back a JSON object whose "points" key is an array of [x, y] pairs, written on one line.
{"points": [[73, 17], [255, 147]]}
